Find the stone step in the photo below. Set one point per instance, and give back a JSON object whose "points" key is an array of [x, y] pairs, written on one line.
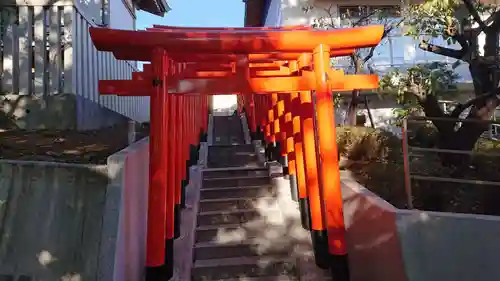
{"points": [[247, 248], [269, 227], [227, 232], [228, 204], [222, 173], [244, 267], [238, 192], [234, 162], [233, 217], [236, 181], [231, 148]]}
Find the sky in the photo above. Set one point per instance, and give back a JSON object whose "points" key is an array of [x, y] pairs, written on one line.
{"points": [[203, 13]]}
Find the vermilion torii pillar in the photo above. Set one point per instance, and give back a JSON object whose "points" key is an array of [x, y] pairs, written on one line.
{"points": [[221, 61]]}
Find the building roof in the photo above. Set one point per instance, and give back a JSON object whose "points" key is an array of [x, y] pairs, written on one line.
{"points": [[155, 7]]}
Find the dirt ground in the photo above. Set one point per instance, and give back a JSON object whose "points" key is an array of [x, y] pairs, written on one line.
{"points": [[85, 147]]}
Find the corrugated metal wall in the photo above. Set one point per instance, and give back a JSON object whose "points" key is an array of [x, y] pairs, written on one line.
{"points": [[46, 55]]}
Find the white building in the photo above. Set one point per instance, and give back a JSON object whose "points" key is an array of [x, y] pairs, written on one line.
{"points": [[396, 51], [49, 67]]}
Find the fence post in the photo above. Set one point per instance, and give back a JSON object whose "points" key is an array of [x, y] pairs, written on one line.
{"points": [[406, 164]]}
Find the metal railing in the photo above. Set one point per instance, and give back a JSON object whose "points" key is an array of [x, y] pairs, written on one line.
{"points": [[441, 165]]}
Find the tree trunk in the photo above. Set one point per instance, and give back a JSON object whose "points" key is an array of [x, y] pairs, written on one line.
{"points": [[451, 138], [352, 109]]}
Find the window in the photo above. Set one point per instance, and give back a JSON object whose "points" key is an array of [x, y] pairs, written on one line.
{"points": [[353, 11], [363, 11]]}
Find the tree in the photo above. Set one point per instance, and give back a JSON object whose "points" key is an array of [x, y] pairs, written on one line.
{"points": [[459, 22], [360, 60]]}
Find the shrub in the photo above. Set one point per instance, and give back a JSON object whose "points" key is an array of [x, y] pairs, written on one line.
{"points": [[376, 160]]}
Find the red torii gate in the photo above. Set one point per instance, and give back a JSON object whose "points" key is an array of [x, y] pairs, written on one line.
{"points": [[190, 64]]}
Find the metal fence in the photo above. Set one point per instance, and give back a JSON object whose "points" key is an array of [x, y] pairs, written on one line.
{"points": [[438, 167], [46, 50]]}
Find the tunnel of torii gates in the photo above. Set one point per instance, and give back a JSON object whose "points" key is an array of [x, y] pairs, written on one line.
{"points": [[284, 82]]}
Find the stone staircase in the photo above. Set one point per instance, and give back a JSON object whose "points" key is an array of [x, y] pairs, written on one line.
{"points": [[240, 234]]}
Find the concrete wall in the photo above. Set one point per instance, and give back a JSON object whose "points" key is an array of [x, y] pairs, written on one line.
{"points": [[51, 219], [386, 243], [75, 222], [125, 217]]}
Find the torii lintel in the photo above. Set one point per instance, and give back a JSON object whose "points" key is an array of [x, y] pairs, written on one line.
{"points": [[236, 42]]}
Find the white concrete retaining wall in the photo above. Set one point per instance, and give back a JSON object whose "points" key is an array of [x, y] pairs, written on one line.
{"points": [[123, 246], [386, 243]]}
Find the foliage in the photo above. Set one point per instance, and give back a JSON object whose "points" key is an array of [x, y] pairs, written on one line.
{"points": [[435, 18], [376, 161], [419, 88], [414, 84]]}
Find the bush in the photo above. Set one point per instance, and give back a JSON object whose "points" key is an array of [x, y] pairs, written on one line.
{"points": [[376, 160]]}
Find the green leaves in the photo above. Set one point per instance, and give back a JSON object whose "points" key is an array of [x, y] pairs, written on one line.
{"points": [[416, 83], [434, 16]]}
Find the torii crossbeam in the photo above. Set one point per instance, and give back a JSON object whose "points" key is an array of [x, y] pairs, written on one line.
{"points": [[273, 70]]}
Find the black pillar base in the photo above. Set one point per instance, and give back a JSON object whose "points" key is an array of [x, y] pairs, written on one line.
{"points": [[339, 267], [169, 258], [193, 156], [253, 136], [165, 271], [305, 213], [261, 134], [276, 151], [258, 133], [269, 148], [183, 193], [283, 160], [156, 273], [177, 221], [294, 189], [202, 136], [320, 248]]}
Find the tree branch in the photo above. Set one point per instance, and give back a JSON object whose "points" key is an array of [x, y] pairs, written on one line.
{"points": [[493, 18], [331, 17], [388, 28], [463, 106], [431, 108], [364, 18], [470, 7], [452, 53]]}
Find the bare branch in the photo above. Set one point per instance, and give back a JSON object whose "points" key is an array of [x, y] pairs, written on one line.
{"points": [[364, 18], [452, 53], [387, 30]]}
